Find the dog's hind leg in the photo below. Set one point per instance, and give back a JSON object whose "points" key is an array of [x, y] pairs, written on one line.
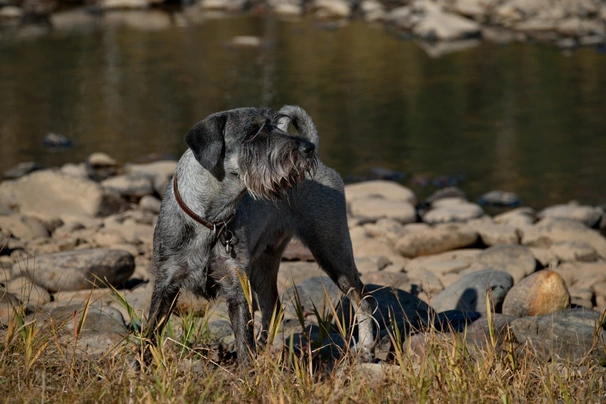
{"points": [[322, 227]]}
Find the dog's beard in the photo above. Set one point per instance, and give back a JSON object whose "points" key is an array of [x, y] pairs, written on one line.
{"points": [[279, 174]]}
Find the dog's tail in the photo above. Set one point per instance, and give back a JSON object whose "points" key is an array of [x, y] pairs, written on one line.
{"points": [[301, 121]]}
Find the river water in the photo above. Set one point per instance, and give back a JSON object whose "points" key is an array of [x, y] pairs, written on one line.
{"points": [[516, 117]]}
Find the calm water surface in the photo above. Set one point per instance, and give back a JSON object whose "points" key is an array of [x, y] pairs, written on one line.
{"points": [[516, 117]]}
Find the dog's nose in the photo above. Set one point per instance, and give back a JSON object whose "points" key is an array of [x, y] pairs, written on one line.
{"points": [[307, 149]]}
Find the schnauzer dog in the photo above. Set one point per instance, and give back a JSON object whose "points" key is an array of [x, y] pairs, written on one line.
{"points": [[241, 191]]}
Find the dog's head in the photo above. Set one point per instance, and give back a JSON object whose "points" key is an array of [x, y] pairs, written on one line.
{"points": [[248, 145]]}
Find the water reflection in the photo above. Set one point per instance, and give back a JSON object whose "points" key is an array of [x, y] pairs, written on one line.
{"points": [[517, 117]]}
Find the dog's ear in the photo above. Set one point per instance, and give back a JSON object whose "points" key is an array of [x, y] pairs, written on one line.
{"points": [[206, 140]]}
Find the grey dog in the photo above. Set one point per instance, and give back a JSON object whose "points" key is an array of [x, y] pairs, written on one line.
{"points": [[241, 191]]}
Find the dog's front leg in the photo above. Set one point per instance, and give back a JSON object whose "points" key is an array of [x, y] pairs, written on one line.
{"points": [[240, 313], [164, 298]]}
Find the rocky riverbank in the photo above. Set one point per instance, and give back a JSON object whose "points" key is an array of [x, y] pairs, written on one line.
{"points": [[567, 23], [440, 264]]}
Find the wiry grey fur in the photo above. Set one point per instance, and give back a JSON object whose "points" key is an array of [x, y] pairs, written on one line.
{"points": [[242, 161]]}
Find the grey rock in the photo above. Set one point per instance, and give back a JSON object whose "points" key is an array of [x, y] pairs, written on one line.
{"points": [[75, 170], [500, 198], [76, 270], [516, 260], [28, 292], [373, 10], [318, 292], [545, 257], [567, 335], [102, 328], [389, 229], [8, 304], [588, 215], [444, 193], [287, 9], [449, 210], [294, 273], [574, 251], [451, 262], [375, 208], [398, 280], [365, 246], [92, 344], [578, 27], [474, 9], [56, 140], [23, 227], [519, 218], [10, 12], [130, 185], [150, 203], [479, 332], [582, 275], [63, 194], [21, 169], [100, 166], [160, 173], [96, 319], [494, 234], [101, 160], [379, 188], [469, 292], [549, 231], [581, 297], [436, 24], [436, 240], [332, 9]]}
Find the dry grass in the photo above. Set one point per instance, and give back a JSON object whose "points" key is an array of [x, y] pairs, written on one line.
{"points": [[38, 365]]}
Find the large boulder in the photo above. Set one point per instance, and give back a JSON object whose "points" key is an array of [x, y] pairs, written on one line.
{"points": [[470, 292], [23, 227], [380, 188], [549, 231], [450, 210], [437, 24], [588, 215], [50, 194], [375, 208], [568, 335], [436, 240], [541, 293], [516, 260], [76, 270]]}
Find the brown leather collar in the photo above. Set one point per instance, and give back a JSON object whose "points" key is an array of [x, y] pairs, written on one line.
{"points": [[218, 228]]}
